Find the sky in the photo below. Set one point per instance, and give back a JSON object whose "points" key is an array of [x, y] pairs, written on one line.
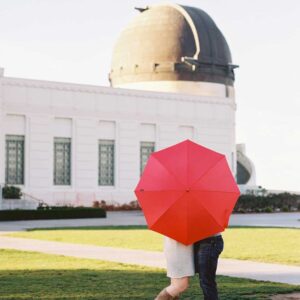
{"points": [[73, 40]]}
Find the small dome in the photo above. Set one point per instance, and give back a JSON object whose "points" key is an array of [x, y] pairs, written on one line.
{"points": [[171, 42]]}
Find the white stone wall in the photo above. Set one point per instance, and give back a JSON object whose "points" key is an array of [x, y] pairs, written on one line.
{"points": [[10, 204], [89, 113], [187, 87]]}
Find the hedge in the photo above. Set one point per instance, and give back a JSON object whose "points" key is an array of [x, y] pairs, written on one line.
{"points": [[268, 203], [55, 213]]}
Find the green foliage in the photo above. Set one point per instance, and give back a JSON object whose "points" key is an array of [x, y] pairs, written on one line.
{"points": [[268, 209], [52, 213], [285, 208], [267, 202], [132, 205], [11, 192], [32, 275]]}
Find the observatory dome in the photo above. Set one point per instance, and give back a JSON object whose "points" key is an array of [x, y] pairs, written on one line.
{"points": [[170, 42]]}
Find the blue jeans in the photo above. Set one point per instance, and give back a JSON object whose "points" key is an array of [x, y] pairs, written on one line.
{"points": [[206, 254]]}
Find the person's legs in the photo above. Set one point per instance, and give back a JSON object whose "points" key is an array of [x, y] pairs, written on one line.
{"points": [[206, 256], [176, 287]]}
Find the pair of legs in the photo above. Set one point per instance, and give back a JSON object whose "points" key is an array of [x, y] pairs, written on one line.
{"points": [[176, 287], [207, 254]]}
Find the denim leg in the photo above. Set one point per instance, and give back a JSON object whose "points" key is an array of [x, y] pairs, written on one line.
{"points": [[207, 254]]}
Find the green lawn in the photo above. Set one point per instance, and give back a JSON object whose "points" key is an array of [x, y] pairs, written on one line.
{"points": [[274, 245], [32, 275]]}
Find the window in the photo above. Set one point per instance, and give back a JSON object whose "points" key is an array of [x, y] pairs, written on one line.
{"points": [[146, 148], [106, 162], [62, 161], [14, 173]]}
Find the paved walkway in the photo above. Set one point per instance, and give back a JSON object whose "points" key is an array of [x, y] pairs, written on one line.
{"points": [[137, 218], [273, 219], [229, 267]]}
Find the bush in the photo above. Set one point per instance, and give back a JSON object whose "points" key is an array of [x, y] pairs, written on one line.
{"points": [[267, 202], [268, 209], [133, 205], [285, 208], [11, 192], [52, 213]]}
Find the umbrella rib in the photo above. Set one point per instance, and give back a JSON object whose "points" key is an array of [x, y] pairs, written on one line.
{"points": [[218, 191], [187, 164], [168, 208], [207, 171], [209, 214], [164, 190], [170, 172]]}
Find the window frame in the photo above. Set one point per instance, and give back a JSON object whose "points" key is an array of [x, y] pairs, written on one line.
{"points": [[17, 139], [110, 181], [150, 144], [66, 181]]}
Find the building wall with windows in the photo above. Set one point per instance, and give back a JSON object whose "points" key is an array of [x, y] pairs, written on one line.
{"points": [[84, 143]]}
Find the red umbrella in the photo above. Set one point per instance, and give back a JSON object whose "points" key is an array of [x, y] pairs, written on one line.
{"points": [[187, 192]]}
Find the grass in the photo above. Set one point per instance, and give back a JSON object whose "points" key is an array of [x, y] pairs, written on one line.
{"points": [[32, 275], [273, 245]]}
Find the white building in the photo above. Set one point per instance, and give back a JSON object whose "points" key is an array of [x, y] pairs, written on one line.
{"points": [[172, 79]]}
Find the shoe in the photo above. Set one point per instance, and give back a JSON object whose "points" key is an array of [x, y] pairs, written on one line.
{"points": [[164, 295]]}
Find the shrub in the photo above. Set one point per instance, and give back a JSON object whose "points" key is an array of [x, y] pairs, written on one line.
{"points": [[267, 202], [52, 213], [96, 204], [11, 192], [268, 209], [132, 205], [285, 208]]}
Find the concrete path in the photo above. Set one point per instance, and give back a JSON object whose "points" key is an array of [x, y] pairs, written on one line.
{"points": [[229, 267], [113, 219], [137, 218], [273, 219]]}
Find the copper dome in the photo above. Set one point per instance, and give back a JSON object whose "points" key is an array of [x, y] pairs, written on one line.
{"points": [[171, 42]]}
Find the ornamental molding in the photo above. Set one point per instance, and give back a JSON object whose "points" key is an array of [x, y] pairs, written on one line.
{"points": [[85, 88]]}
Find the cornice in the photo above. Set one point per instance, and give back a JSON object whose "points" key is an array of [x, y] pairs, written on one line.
{"points": [[85, 88]]}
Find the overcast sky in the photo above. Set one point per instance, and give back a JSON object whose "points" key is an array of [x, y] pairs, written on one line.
{"points": [[72, 41]]}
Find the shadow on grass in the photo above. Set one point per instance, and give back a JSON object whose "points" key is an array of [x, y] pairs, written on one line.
{"points": [[139, 227], [127, 227], [116, 284]]}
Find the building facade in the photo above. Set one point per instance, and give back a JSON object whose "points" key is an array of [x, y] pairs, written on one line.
{"points": [[54, 136], [67, 143]]}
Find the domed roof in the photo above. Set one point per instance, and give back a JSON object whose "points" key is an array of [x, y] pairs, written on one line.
{"points": [[171, 42]]}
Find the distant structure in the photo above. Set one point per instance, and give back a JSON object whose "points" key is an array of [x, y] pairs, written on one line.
{"points": [[245, 176], [172, 78]]}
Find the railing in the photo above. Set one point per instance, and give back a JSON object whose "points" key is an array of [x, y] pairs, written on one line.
{"points": [[40, 202]]}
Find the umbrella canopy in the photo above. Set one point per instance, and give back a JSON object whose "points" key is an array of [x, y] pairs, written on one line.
{"points": [[187, 192]]}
